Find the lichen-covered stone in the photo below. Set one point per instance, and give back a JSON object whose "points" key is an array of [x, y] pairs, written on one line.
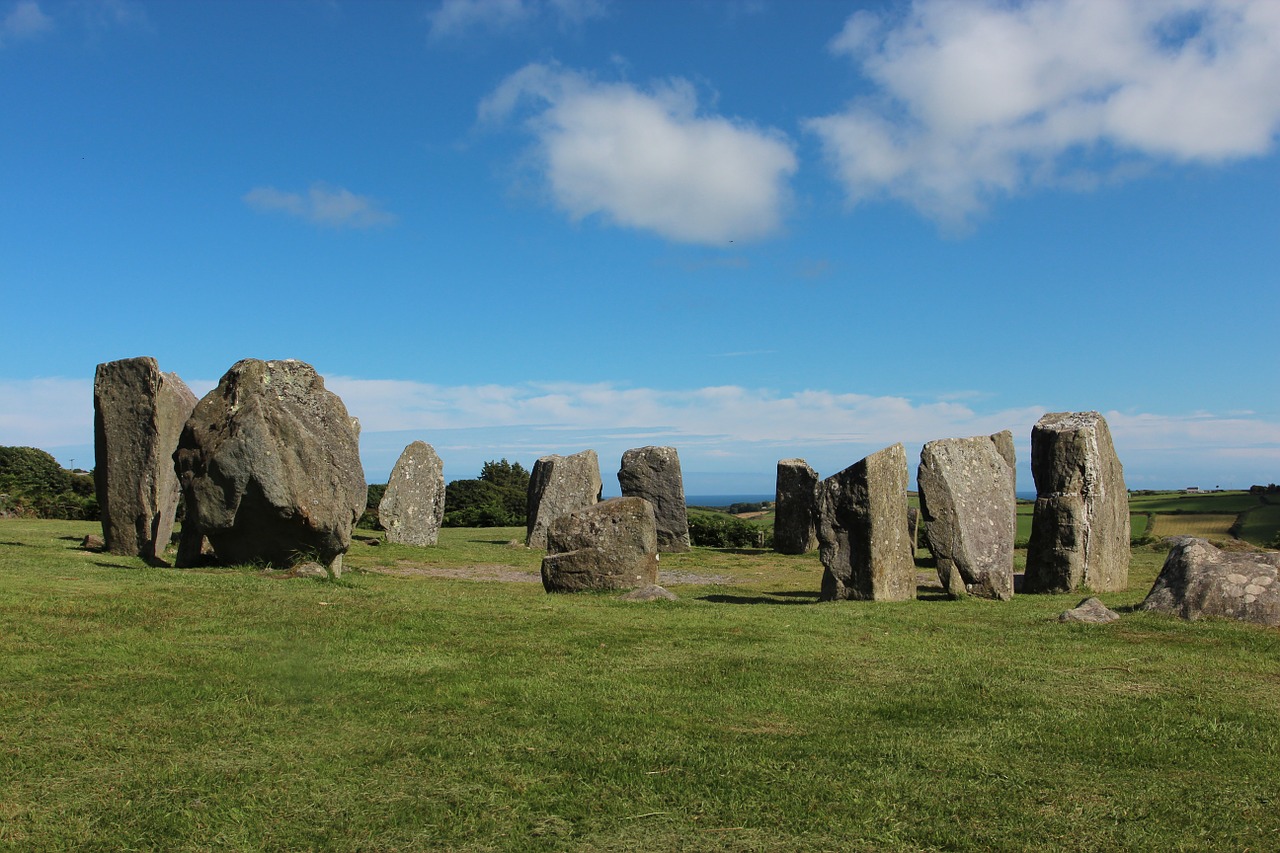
{"points": [[1080, 528], [653, 473], [412, 507], [139, 413], [270, 469], [559, 485], [795, 520], [1090, 611], [609, 545], [862, 530], [970, 511], [1198, 579]]}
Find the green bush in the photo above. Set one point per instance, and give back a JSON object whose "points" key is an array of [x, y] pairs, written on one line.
{"points": [[498, 498], [33, 484], [718, 530]]}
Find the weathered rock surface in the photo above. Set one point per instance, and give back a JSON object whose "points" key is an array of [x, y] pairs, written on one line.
{"points": [[913, 528], [270, 469], [1091, 611], [139, 413], [1080, 529], [970, 512], [93, 542], [653, 473], [1198, 579], [412, 507], [559, 485], [795, 520], [649, 593], [609, 545], [862, 530]]}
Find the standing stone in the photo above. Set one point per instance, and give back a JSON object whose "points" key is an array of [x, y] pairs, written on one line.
{"points": [[1080, 527], [412, 507], [1199, 579], [862, 530], [653, 473], [795, 520], [970, 512], [559, 485], [913, 528], [270, 469], [138, 415], [609, 545]]}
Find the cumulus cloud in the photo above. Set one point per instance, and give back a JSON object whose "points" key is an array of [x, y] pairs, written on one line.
{"points": [[460, 17], [334, 207], [973, 100], [649, 159], [24, 20]]}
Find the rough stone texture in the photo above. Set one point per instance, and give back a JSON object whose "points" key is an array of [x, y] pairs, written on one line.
{"points": [[970, 512], [649, 593], [1091, 611], [610, 545], [93, 542], [653, 473], [559, 485], [309, 569], [1199, 579], [139, 413], [795, 520], [270, 469], [412, 507], [862, 530], [1080, 529], [913, 528]]}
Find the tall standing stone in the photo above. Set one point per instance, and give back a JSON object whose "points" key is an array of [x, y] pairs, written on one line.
{"points": [[970, 512], [862, 530], [270, 469], [412, 507], [653, 473], [1080, 529], [138, 414], [795, 520], [559, 485]]}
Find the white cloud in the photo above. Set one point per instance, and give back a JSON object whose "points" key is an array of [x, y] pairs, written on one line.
{"points": [[459, 17], [324, 205], [46, 413], [979, 99], [24, 20], [649, 160]]}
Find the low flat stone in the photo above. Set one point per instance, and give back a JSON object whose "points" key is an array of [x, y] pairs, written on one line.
{"points": [[649, 593], [1199, 579], [93, 542], [1091, 610], [309, 570], [609, 545]]}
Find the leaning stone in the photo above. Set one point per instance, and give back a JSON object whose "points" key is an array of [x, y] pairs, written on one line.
{"points": [[795, 520], [139, 413], [862, 530], [412, 507], [610, 545], [1091, 610], [970, 513], [1199, 579], [559, 485], [270, 469], [649, 593], [653, 473], [1080, 527]]}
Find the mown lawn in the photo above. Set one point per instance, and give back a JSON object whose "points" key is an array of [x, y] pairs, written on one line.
{"points": [[159, 709]]}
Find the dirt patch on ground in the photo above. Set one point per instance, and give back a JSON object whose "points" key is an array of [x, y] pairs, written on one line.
{"points": [[506, 574]]}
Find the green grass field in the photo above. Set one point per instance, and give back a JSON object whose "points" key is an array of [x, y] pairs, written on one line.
{"points": [[420, 705]]}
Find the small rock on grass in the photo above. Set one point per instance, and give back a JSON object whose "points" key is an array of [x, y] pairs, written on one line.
{"points": [[652, 592], [1090, 610]]}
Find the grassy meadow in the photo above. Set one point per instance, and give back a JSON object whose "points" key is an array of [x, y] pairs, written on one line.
{"points": [[438, 699]]}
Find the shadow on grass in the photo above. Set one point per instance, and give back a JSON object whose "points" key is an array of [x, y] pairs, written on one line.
{"points": [[71, 538], [784, 597], [16, 544], [114, 565]]}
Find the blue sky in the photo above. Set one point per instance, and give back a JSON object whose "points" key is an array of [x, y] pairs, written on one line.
{"points": [[749, 230]]}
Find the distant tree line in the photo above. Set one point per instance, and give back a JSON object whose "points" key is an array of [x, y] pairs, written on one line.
{"points": [[34, 485], [499, 497]]}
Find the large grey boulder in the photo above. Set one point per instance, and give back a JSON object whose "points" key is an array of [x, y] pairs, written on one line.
{"points": [[653, 473], [970, 513], [609, 545], [1080, 529], [795, 520], [862, 530], [1198, 579], [559, 485], [270, 469], [412, 507], [138, 414]]}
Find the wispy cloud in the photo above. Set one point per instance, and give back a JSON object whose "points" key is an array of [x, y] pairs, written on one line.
{"points": [[453, 18], [334, 207], [975, 100], [649, 159], [24, 20]]}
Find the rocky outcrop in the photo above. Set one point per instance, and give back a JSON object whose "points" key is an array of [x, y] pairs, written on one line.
{"points": [[970, 512], [862, 530], [610, 545], [139, 413], [1198, 579], [1080, 529], [795, 520], [559, 485], [653, 473], [270, 469], [412, 507]]}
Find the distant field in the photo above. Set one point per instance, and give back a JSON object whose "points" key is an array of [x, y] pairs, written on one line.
{"points": [[1207, 525], [1214, 502], [1261, 526]]}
